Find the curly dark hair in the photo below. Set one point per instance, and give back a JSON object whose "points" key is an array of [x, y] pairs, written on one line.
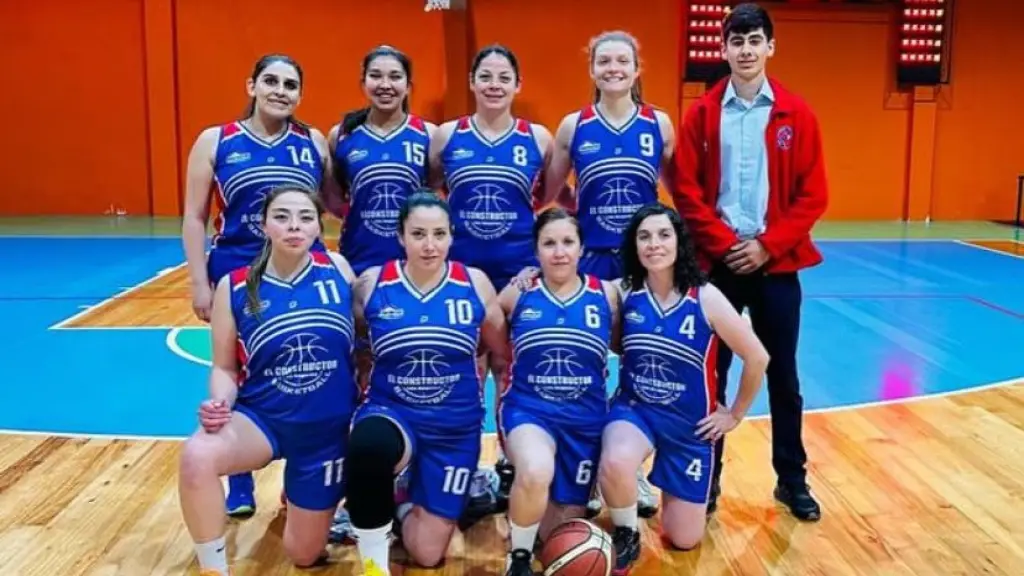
{"points": [[686, 272]]}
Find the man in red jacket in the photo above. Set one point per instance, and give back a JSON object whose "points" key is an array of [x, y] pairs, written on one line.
{"points": [[750, 183]]}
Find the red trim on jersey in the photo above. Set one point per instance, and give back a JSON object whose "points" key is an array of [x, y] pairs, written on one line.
{"points": [[300, 130], [389, 272], [711, 374], [588, 113], [523, 126], [321, 258], [463, 123], [238, 276], [243, 357], [647, 111], [230, 130], [417, 123], [594, 283], [457, 272]]}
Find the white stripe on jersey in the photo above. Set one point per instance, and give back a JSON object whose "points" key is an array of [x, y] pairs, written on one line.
{"points": [[384, 171], [295, 321], [618, 166], [491, 173], [273, 175], [425, 337], [561, 336], [663, 346]]}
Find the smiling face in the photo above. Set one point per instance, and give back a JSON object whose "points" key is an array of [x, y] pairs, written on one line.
{"points": [[657, 243], [494, 82], [386, 83], [613, 66], [748, 53], [291, 222], [276, 90]]}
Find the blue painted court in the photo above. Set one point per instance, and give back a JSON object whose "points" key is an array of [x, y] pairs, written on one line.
{"points": [[883, 320]]}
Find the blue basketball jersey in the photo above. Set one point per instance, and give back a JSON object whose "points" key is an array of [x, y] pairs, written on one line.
{"points": [[381, 172], [295, 355], [669, 357], [424, 349], [617, 172], [560, 353], [490, 191], [246, 168]]}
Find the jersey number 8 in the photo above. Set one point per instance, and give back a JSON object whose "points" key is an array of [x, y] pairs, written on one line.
{"points": [[519, 155]]}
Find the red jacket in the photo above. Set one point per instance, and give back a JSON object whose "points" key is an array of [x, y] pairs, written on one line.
{"points": [[798, 193]]}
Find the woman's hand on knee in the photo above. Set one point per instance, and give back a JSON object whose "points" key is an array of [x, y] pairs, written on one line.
{"points": [[213, 415]]}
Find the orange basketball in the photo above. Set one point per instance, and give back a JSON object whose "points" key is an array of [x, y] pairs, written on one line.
{"points": [[577, 547]]}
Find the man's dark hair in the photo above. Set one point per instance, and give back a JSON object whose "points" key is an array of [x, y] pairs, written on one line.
{"points": [[744, 19]]}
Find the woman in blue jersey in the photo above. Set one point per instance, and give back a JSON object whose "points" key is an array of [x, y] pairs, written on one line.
{"points": [[618, 148], [672, 320], [239, 162], [423, 410], [380, 157], [554, 409], [281, 384], [490, 164]]}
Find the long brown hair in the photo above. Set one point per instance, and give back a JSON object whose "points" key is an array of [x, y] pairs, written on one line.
{"points": [[259, 264]]}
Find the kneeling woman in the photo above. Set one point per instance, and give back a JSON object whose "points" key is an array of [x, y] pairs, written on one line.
{"points": [[672, 320], [554, 410], [281, 385], [424, 404]]}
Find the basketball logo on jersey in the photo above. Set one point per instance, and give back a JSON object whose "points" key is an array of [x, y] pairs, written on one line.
{"points": [[489, 216], [617, 201], [381, 212], [655, 382], [299, 368], [421, 379], [558, 381]]}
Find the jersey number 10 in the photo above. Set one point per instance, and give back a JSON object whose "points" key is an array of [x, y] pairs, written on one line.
{"points": [[459, 311]]}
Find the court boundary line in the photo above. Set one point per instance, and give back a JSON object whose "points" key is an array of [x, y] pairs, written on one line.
{"points": [[160, 274], [172, 343], [992, 250], [832, 409]]}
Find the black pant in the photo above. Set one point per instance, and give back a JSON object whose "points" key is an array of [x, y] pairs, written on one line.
{"points": [[774, 304]]}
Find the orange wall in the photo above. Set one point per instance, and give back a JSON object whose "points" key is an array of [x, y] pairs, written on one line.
{"points": [[107, 119], [74, 107]]}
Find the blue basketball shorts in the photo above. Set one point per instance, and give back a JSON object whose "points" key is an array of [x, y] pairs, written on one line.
{"points": [[443, 460], [577, 451], [314, 456], [683, 463], [605, 264]]}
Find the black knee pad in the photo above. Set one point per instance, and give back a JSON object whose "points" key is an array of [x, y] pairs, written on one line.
{"points": [[375, 447]]}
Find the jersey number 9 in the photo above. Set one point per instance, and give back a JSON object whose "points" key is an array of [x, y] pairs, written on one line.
{"points": [[647, 144]]}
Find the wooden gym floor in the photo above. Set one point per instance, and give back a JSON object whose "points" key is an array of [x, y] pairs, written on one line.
{"points": [[916, 461]]}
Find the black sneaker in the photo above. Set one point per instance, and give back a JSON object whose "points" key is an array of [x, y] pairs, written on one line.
{"points": [[520, 563], [627, 549], [799, 501]]}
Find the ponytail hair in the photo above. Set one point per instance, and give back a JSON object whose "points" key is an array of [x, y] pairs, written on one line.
{"points": [[258, 266], [258, 69], [635, 92]]}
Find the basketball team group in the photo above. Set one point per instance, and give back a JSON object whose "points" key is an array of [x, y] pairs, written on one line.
{"points": [[464, 253]]}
